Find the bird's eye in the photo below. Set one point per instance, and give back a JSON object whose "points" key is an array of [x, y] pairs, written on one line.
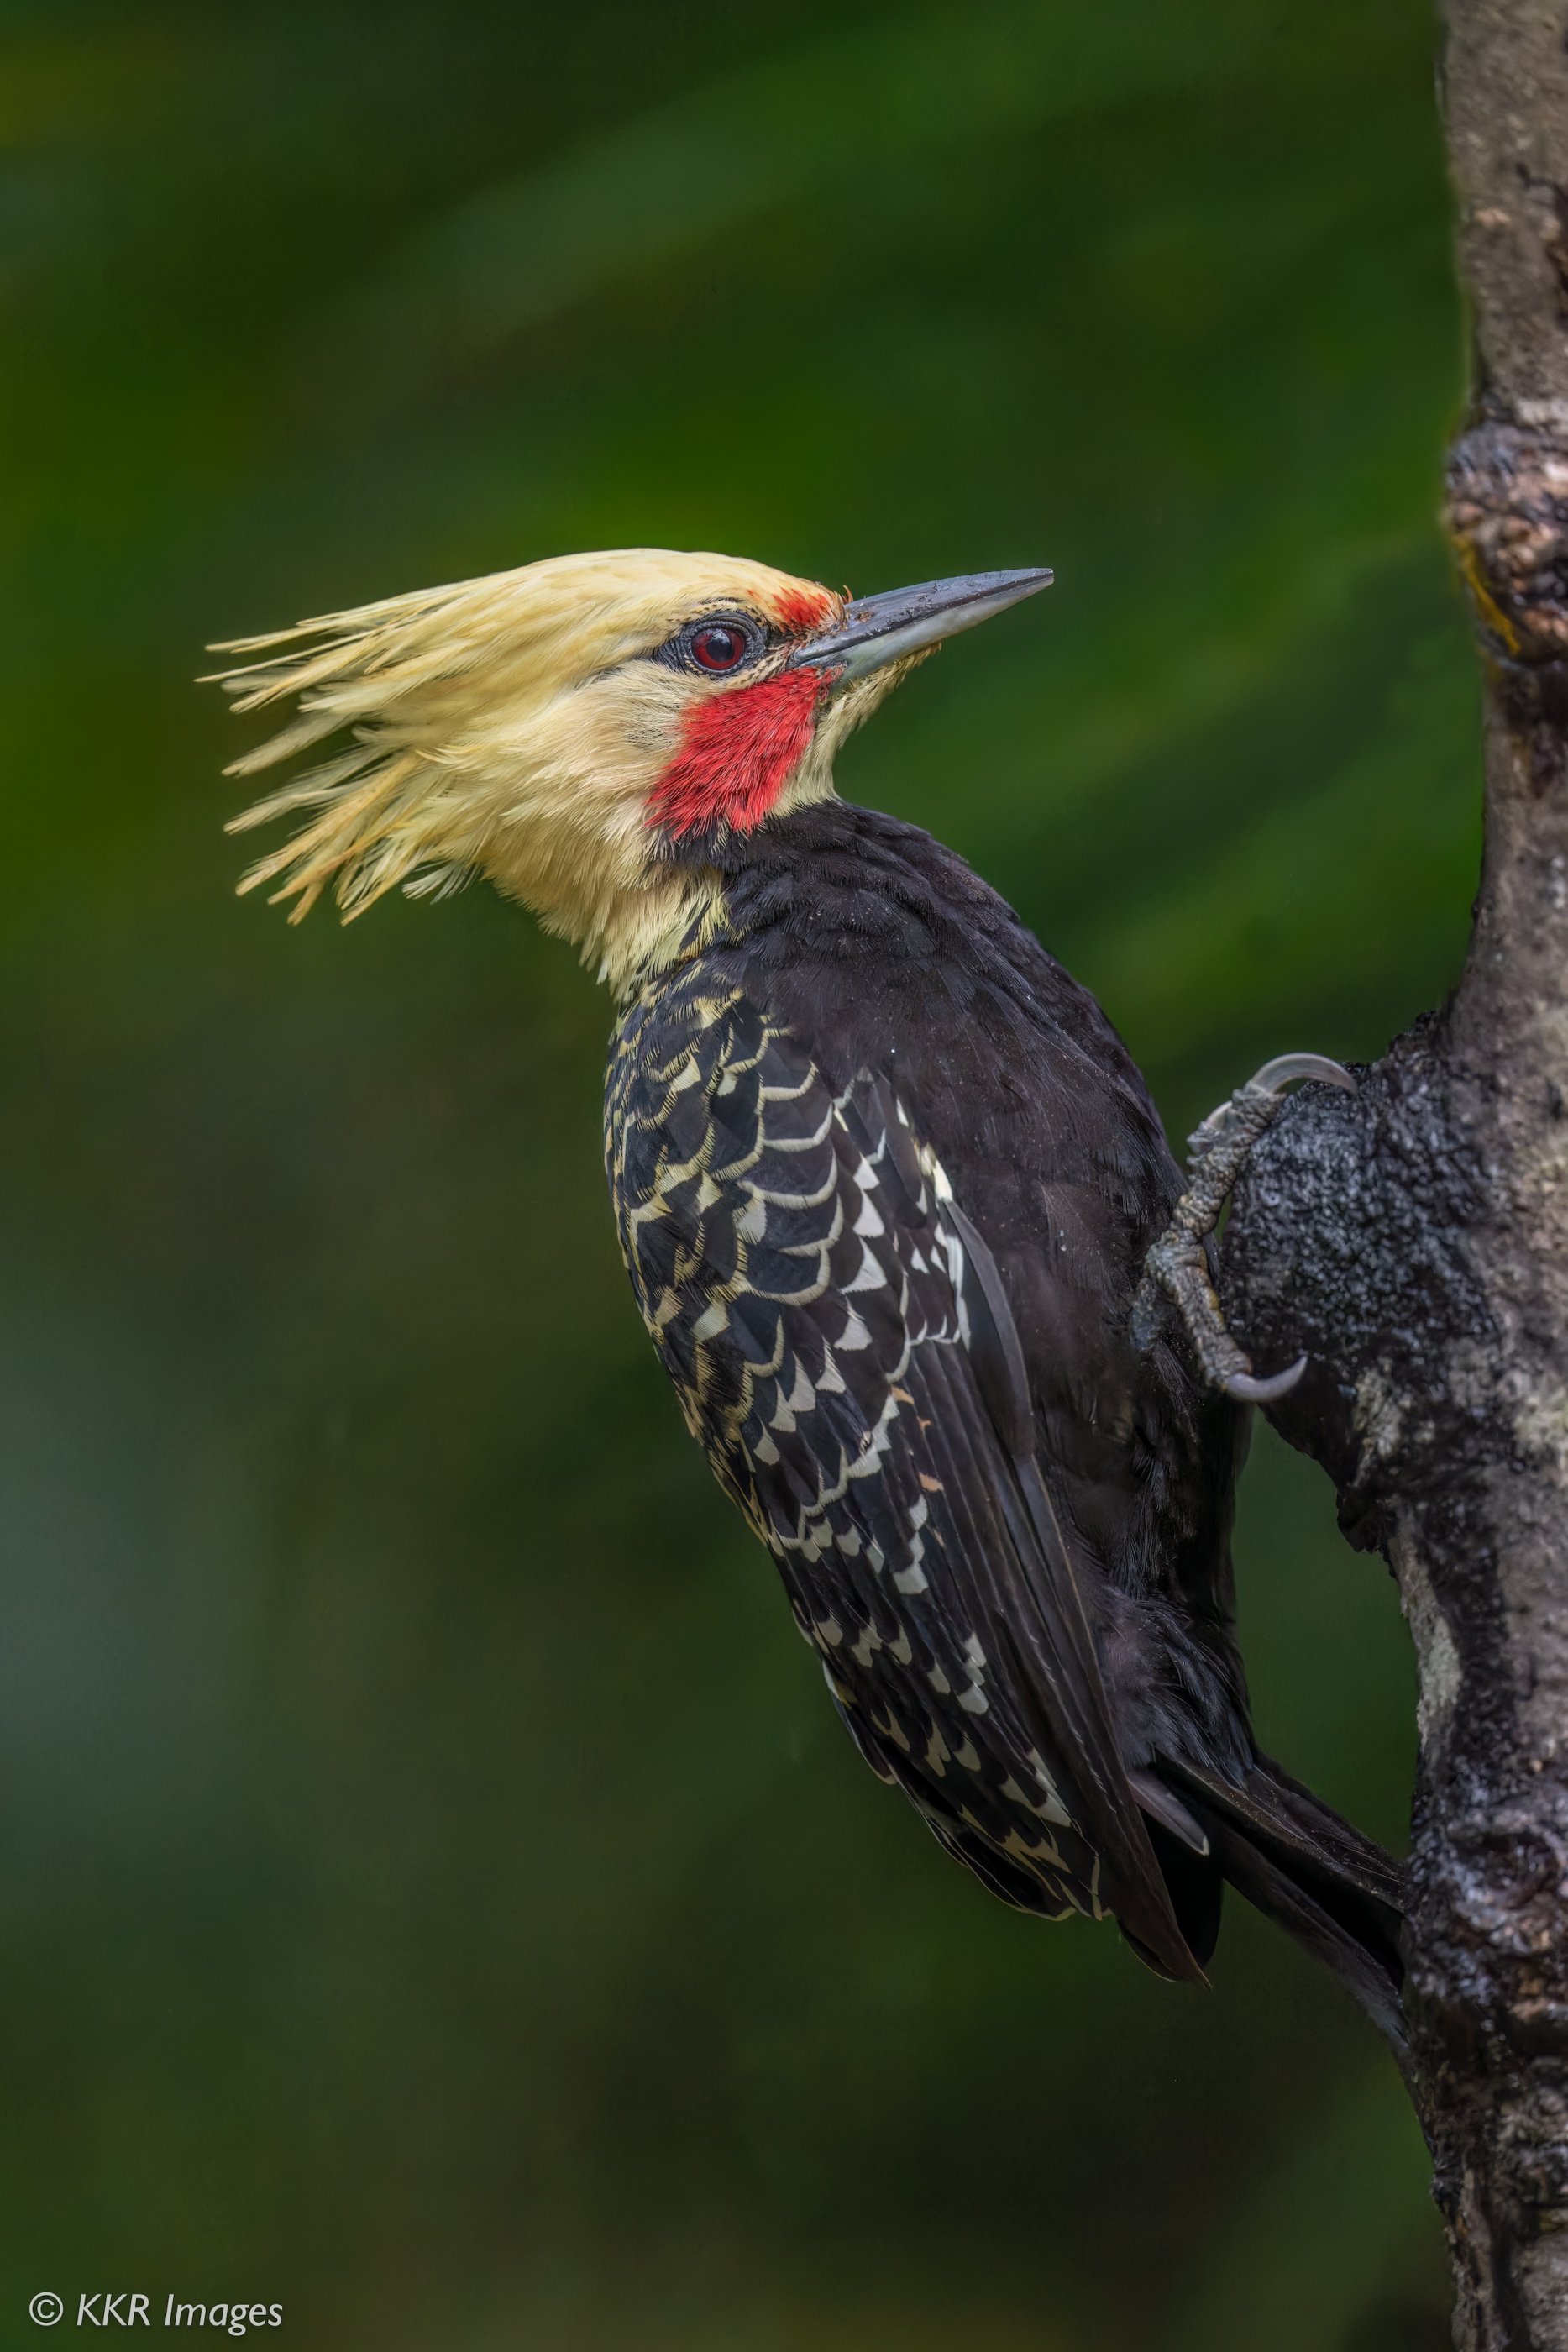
{"points": [[719, 645], [715, 642]]}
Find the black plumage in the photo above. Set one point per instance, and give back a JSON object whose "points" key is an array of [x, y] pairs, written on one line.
{"points": [[885, 1178]]}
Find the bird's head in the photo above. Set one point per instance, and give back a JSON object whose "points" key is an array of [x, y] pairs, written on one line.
{"points": [[585, 731]]}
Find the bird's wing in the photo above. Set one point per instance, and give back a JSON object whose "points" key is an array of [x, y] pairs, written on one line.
{"points": [[843, 1350]]}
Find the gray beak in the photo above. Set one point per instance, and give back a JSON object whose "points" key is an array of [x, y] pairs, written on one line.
{"points": [[876, 630]]}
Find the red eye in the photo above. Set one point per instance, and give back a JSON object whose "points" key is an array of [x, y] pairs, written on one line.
{"points": [[719, 647]]}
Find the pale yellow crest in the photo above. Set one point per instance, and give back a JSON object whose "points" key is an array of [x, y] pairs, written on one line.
{"points": [[509, 726]]}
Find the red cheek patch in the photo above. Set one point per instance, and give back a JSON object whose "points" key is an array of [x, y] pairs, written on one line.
{"points": [[737, 752]]}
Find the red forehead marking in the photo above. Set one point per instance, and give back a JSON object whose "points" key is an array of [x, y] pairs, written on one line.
{"points": [[737, 753], [802, 608]]}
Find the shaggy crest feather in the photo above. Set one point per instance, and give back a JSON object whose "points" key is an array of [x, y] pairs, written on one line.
{"points": [[510, 725]]}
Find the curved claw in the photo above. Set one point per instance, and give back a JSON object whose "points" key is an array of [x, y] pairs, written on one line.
{"points": [[1178, 1264], [1286, 1068], [1248, 1110], [1248, 1389]]}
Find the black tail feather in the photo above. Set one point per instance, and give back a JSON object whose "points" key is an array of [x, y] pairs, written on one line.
{"points": [[1304, 1867]]}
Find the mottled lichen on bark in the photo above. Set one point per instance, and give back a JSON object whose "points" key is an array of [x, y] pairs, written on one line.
{"points": [[1414, 1238], [1366, 1231]]}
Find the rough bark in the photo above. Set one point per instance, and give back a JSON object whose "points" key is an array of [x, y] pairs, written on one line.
{"points": [[1414, 1238]]}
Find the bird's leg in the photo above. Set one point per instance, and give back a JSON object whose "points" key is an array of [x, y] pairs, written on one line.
{"points": [[1178, 1261]]}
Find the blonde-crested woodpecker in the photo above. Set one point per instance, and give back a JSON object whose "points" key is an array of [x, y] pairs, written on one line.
{"points": [[885, 1179]]}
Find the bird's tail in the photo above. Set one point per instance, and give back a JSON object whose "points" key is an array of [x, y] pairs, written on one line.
{"points": [[1304, 1867]]}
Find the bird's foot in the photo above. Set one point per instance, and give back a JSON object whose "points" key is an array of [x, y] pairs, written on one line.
{"points": [[1178, 1264]]}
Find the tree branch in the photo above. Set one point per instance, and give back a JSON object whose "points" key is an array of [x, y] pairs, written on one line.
{"points": [[1415, 1239]]}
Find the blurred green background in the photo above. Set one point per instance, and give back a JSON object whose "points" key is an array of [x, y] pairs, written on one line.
{"points": [[435, 1892]]}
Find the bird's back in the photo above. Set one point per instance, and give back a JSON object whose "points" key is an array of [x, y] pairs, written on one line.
{"points": [[884, 1177]]}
